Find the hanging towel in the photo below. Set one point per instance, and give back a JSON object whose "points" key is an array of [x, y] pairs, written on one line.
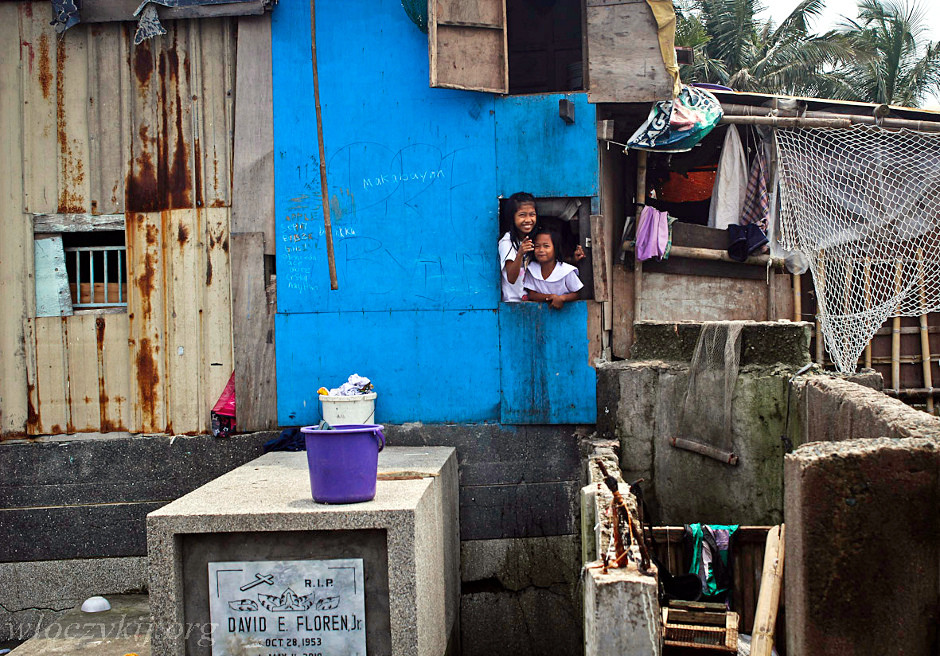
{"points": [[730, 183], [756, 202], [652, 235]]}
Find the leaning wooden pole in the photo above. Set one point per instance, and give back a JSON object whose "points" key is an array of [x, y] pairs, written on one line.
{"points": [[896, 332], [324, 190], [768, 599]]}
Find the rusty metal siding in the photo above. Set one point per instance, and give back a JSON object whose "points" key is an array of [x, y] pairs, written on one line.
{"points": [[93, 124]]}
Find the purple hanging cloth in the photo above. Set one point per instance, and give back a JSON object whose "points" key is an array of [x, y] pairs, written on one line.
{"points": [[652, 235]]}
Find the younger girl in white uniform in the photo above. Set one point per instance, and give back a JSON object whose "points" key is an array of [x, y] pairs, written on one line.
{"points": [[515, 247], [548, 278]]}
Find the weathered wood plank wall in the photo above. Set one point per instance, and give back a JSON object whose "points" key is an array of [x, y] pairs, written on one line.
{"points": [[96, 126]]}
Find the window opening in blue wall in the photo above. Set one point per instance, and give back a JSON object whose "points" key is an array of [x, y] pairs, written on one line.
{"points": [[545, 48], [571, 219]]}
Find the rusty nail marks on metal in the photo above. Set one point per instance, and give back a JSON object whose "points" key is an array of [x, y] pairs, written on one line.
{"points": [[143, 65], [182, 234], [69, 427], [147, 380], [32, 417], [71, 168]]}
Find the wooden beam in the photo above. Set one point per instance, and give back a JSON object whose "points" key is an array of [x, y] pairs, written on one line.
{"points": [[52, 223], [715, 255], [599, 258], [253, 332], [637, 262]]}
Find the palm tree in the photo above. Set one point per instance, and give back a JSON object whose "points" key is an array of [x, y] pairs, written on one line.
{"points": [[891, 63], [735, 48]]}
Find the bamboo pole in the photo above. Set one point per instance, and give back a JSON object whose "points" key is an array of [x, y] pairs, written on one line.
{"points": [[822, 285], [768, 599], [847, 297], [324, 190], [924, 334], [866, 278], [640, 204], [896, 333], [794, 122], [797, 297], [916, 392], [735, 110]]}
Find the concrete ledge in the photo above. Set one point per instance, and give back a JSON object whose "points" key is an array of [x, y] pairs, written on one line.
{"points": [[762, 342], [837, 410], [87, 497]]}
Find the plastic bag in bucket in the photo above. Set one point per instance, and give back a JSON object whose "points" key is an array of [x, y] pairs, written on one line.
{"points": [[343, 461]]}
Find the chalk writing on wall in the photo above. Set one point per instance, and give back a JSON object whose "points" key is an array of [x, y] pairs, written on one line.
{"points": [[406, 223]]}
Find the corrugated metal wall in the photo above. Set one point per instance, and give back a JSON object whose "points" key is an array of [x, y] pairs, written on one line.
{"points": [[89, 123]]}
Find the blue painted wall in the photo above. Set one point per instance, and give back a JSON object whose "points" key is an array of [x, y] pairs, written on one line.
{"points": [[414, 176]]}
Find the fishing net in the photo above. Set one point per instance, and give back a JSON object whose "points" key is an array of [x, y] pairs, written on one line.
{"points": [[706, 409], [863, 205]]}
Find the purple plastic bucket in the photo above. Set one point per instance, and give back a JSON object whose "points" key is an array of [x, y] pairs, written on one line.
{"points": [[343, 461]]}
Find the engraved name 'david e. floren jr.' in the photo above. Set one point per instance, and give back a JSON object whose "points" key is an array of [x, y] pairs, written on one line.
{"points": [[288, 608]]}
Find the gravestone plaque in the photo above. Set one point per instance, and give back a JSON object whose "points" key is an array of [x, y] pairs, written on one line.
{"points": [[288, 608]]}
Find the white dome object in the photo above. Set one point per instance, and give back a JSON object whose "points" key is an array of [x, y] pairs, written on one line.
{"points": [[95, 605]]}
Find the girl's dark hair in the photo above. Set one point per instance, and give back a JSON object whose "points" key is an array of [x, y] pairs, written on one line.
{"points": [[556, 239], [510, 207]]}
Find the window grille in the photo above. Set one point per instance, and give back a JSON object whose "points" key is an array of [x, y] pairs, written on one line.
{"points": [[97, 276]]}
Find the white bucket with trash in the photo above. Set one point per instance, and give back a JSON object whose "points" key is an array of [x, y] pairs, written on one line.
{"points": [[353, 402], [356, 409]]}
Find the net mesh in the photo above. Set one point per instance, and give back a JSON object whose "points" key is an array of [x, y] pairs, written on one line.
{"points": [[863, 205], [706, 409]]}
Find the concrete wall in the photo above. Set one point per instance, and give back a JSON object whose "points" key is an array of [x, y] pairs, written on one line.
{"points": [[639, 401], [863, 547], [72, 518], [519, 524], [863, 528]]}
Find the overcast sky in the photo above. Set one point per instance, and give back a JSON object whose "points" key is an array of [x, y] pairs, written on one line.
{"points": [[836, 9]]}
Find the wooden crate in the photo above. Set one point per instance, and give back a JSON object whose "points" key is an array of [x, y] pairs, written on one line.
{"points": [[699, 627]]}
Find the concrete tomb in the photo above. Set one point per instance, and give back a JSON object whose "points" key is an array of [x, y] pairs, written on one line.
{"points": [[250, 565]]}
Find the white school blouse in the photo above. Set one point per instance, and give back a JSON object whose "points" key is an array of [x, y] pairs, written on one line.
{"points": [[512, 291], [562, 280]]}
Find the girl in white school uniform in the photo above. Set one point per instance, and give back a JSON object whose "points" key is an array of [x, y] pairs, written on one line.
{"points": [[549, 279], [515, 247]]}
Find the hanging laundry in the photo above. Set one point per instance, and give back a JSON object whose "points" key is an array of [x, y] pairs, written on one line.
{"points": [[756, 202], [730, 183], [675, 126], [652, 235]]}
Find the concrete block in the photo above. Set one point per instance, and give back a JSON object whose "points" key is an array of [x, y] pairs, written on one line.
{"points": [[621, 613], [271, 495], [862, 571], [520, 563], [533, 621], [764, 343], [523, 510], [520, 596], [33, 595]]}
